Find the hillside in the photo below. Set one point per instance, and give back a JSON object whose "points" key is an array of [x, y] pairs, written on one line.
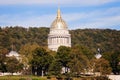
{"points": [[105, 39]]}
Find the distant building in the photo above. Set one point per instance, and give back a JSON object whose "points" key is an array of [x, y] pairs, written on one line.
{"points": [[13, 53], [59, 34], [18, 57]]}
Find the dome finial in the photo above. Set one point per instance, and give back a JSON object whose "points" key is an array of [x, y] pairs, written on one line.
{"points": [[58, 13], [59, 23]]}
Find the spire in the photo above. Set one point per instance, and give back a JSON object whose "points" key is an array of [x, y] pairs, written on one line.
{"points": [[58, 13]]}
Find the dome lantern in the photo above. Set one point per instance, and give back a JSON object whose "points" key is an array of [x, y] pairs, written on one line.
{"points": [[58, 23]]}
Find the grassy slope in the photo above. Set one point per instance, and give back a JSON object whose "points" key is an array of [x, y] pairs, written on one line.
{"points": [[21, 78]]}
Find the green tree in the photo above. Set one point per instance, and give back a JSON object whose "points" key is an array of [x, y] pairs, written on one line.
{"points": [[26, 55], [13, 65], [55, 68], [3, 53], [79, 62], [86, 51], [102, 66], [114, 59], [63, 56], [41, 61]]}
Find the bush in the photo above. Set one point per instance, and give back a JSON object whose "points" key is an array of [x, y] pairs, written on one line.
{"points": [[35, 79], [22, 79], [102, 78]]}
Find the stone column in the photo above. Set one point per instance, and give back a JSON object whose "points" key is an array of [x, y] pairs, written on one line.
{"points": [[55, 40], [59, 39], [52, 40], [64, 40]]}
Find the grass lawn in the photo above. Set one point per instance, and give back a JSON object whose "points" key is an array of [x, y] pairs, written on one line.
{"points": [[22, 78], [45, 78]]}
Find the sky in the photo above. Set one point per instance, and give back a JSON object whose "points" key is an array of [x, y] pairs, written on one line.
{"points": [[78, 14]]}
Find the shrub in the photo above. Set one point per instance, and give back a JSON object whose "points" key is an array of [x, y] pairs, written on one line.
{"points": [[22, 79], [102, 78], [35, 79]]}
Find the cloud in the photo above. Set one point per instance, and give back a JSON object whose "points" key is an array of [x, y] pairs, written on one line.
{"points": [[108, 18], [102, 23], [104, 18], [56, 2], [28, 21]]}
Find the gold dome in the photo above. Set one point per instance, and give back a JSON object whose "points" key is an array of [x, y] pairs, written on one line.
{"points": [[59, 23]]}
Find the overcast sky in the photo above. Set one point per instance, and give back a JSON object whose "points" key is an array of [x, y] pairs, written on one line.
{"points": [[80, 14]]}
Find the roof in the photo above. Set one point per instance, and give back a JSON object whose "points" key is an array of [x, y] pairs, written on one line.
{"points": [[13, 53]]}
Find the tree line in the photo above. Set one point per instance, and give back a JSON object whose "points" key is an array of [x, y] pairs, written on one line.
{"points": [[105, 39], [37, 60], [31, 43]]}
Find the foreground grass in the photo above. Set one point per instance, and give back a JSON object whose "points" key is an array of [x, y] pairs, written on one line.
{"points": [[22, 78], [45, 78]]}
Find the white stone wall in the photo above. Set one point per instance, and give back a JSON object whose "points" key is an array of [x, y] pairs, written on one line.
{"points": [[58, 38], [114, 77]]}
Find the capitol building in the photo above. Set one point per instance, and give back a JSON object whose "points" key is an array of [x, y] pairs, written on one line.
{"points": [[59, 34]]}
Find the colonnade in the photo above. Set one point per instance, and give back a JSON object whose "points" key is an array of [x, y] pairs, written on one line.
{"points": [[59, 40]]}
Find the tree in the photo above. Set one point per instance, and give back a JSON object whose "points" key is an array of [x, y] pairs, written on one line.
{"points": [[63, 56], [114, 59], [79, 62], [3, 53], [13, 65], [105, 39], [102, 66], [55, 68], [41, 61], [85, 50], [26, 54]]}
